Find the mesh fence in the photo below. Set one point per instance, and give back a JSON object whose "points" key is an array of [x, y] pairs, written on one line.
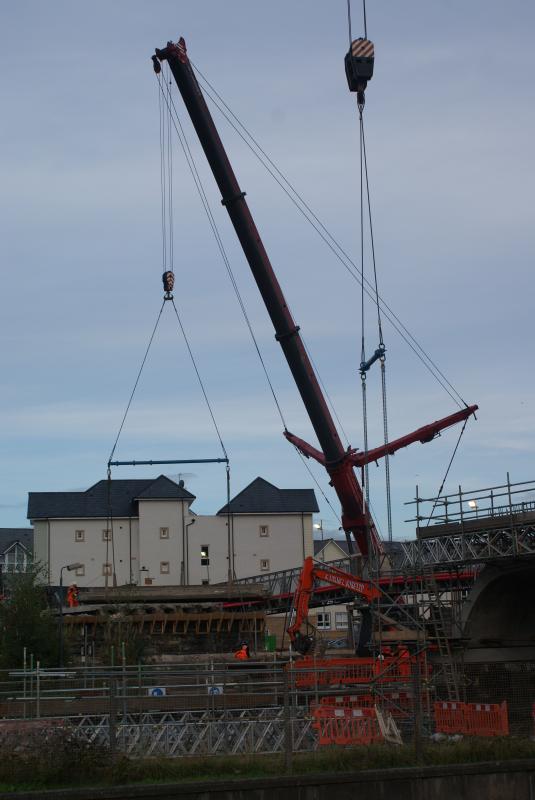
{"points": [[261, 707]]}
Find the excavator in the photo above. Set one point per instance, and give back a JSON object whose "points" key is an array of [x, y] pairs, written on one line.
{"points": [[340, 462], [311, 573]]}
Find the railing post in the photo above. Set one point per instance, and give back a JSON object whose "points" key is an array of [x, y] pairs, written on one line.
{"points": [[288, 744], [112, 726], [37, 690], [463, 543]]}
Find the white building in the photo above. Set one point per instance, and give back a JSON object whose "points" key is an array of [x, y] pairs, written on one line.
{"points": [[145, 532]]}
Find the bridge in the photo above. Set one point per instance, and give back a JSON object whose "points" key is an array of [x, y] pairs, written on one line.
{"points": [[470, 571]]}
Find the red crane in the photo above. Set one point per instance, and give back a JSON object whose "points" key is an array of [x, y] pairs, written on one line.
{"points": [[339, 462], [310, 574]]}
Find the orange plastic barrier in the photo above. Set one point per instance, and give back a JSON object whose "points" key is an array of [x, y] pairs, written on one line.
{"points": [[310, 672], [472, 719], [449, 717], [349, 726], [396, 702], [487, 719]]}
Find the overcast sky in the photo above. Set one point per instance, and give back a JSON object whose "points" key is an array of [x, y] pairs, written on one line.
{"points": [[450, 125]]}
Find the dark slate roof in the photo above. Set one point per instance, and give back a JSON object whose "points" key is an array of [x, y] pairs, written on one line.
{"points": [[390, 548], [261, 497], [165, 489], [95, 502], [319, 545], [9, 536]]}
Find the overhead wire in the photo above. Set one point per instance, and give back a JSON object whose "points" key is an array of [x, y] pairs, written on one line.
{"points": [[337, 250], [444, 479], [215, 230], [179, 129], [136, 383], [201, 383]]}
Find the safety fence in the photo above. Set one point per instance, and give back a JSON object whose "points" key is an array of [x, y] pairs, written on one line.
{"points": [[471, 719], [211, 708]]}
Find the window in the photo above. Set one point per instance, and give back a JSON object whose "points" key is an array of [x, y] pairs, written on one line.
{"points": [[324, 621], [340, 620], [264, 564], [164, 567], [263, 530], [106, 535], [79, 536], [205, 583], [106, 568], [205, 555], [164, 533], [80, 571]]}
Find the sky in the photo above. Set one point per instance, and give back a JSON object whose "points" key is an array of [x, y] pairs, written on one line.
{"points": [[449, 119]]}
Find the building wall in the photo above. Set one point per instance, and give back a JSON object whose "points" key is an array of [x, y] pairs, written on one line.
{"points": [[161, 541], [40, 546], [287, 543], [144, 555], [331, 552], [93, 552]]}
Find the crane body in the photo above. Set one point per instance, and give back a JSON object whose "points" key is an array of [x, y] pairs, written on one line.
{"points": [[338, 461], [311, 573]]}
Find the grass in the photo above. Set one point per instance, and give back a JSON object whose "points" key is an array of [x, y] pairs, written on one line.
{"points": [[97, 768]]}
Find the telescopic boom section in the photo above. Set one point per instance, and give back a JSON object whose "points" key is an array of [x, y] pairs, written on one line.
{"points": [[354, 517], [338, 462]]}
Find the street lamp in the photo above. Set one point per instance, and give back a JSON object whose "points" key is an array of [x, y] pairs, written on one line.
{"points": [[70, 568], [319, 527]]}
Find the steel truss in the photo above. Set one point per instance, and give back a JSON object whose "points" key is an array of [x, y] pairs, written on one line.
{"points": [[201, 733]]}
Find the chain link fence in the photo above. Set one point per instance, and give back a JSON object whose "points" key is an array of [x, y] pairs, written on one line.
{"points": [[215, 708]]}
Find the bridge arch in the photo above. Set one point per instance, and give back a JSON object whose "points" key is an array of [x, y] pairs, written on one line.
{"points": [[498, 619]]}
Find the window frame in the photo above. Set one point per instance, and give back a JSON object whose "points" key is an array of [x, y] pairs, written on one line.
{"points": [[345, 625], [205, 555], [79, 538], [107, 569], [267, 562], [106, 534], [164, 533], [263, 531], [165, 567], [325, 623]]}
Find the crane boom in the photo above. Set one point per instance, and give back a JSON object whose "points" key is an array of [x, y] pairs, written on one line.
{"points": [[311, 573], [339, 462]]}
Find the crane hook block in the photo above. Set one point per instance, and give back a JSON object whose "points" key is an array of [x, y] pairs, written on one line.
{"points": [[359, 65], [168, 279]]}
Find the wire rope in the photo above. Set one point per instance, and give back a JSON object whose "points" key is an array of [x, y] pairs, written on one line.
{"points": [[337, 250], [179, 129], [136, 383], [213, 225], [162, 184], [198, 374], [447, 472]]}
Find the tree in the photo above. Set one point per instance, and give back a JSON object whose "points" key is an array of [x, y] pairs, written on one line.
{"points": [[27, 621]]}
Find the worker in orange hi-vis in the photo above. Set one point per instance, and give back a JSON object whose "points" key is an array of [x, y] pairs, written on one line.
{"points": [[243, 653], [72, 596]]}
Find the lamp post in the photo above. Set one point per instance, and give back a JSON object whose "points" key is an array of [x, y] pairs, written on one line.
{"points": [[186, 551], [319, 527], [68, 567]]}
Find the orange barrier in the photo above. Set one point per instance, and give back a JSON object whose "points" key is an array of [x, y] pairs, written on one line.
{"points": [[449, 717], [310, 672], [346, 726], [472, 719], [397, 703], [487, 719]]}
